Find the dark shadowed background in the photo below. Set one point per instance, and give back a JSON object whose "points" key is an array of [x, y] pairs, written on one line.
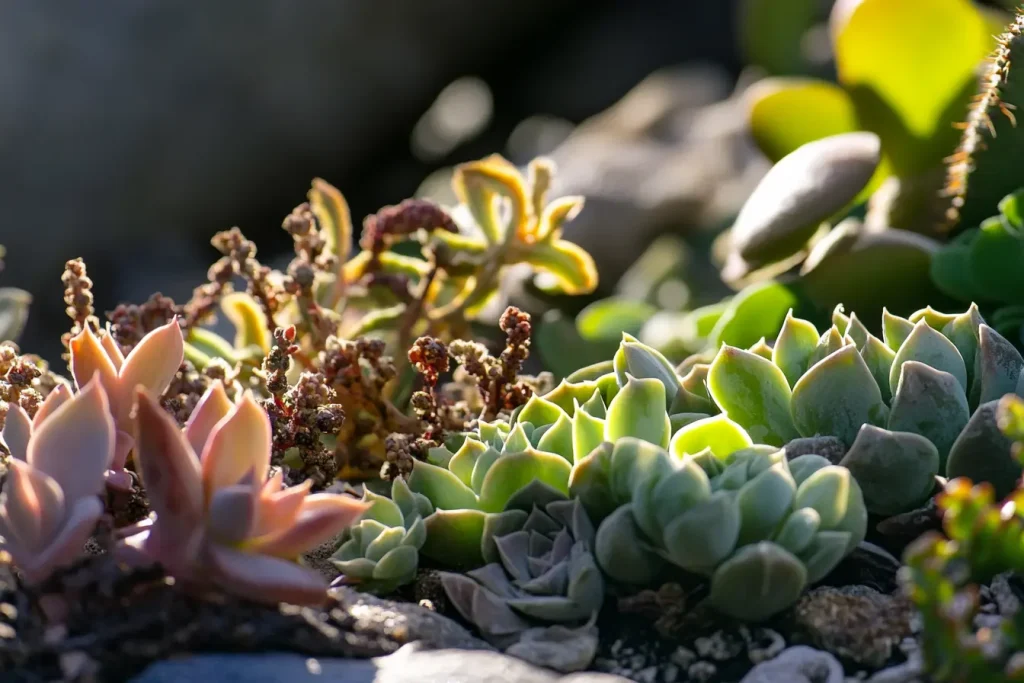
{"points": [[131, 132]]}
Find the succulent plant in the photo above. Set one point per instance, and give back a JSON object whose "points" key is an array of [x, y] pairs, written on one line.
{"points": [[55, 474], [918, 403], [546, 573], [759, 527], [986, 264], [151, 364], [982, 170], [219, 519], [982, 538], [908, 102], [381, 551], [500, 472]]}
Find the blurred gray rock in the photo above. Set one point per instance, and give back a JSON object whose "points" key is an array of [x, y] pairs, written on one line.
{"points": [[799, 664], [128, 126], [408, 665], [674, 155]]}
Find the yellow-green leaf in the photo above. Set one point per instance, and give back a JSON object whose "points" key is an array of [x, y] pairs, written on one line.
{"points": [[572, 268], [914, 55], [477, 184], [332, 212], [786, 113], [249, 320]]}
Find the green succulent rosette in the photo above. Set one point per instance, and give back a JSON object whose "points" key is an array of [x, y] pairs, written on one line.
{"points": [[381, 552], [915, 403], [545, 574], [760, 527]]}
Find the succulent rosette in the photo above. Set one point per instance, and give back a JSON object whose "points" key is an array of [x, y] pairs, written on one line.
{"points": [[219, 518], [51, 497], [381, 551], [545, 573], [760, 527]]}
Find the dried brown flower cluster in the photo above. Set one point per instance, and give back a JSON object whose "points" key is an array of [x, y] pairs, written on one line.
{"points": [[78, 299], [498, 378], [301, 416], [24, 381], [131, 322]]}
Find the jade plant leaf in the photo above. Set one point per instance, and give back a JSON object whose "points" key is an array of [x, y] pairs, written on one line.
{"points": [[786, 113], [887, 48]]}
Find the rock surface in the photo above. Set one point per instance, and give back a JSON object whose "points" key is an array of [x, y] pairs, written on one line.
{"points": [[800, 664], [855, 622], [673, 155], [408, 665]]}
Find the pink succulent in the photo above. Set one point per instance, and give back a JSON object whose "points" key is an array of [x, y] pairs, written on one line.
{"points": [[55, 477], [152, 363], [218, 517]]}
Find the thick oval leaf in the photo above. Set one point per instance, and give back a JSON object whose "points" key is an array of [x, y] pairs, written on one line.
{"points": [[930, 347], [757, 311], [513, 471], [929, 402], [801, 191], [609, 318], [753, 392], [997, 367], [865, 269], [896, 470], [837, 396], [718, 434], [794, 346], [786, 113], [983, 453], [639, 410], [445, 490], [874, 41], [757, 582]]}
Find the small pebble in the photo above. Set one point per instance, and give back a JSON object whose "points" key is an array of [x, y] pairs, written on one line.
{"points": [[719, 646], [992, 621], [670, 674], [764, 644], [648, 675], [682, 657], [701, 672]]}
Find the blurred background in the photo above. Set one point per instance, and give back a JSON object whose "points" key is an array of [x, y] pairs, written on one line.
{"points": [[130, 132]]}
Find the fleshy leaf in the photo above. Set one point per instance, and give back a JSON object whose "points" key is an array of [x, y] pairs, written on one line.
{"points": [[837, 396], [571, 266], [895, 470], [794, 346], [639, 410], [929, 402], [754, 393], [719, 434], [928, 346]]}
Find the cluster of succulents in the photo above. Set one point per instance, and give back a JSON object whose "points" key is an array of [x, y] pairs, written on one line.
{"points": [[918, 402], [220, 519], [982, 538], [211, 436], [669, 487]]}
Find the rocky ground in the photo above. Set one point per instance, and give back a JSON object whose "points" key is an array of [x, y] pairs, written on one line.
{"points": [[135, 626]]}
